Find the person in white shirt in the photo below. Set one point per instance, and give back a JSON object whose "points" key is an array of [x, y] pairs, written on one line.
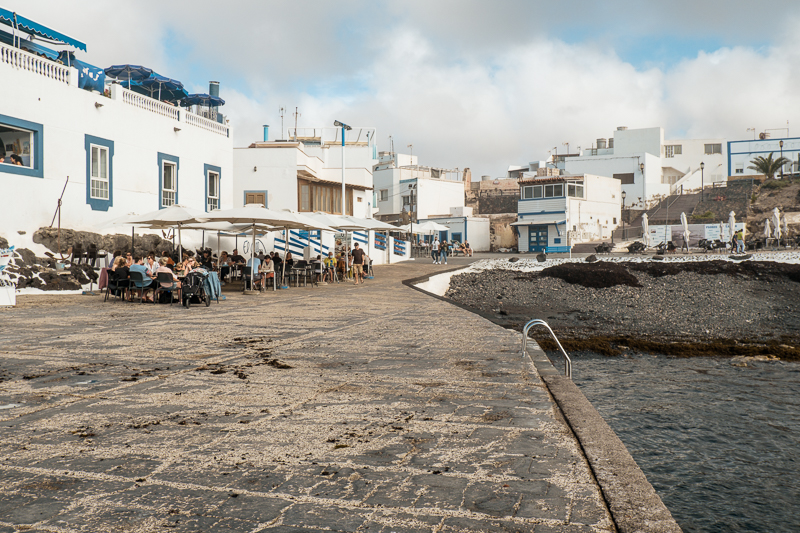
{"points": [[435, 250]]}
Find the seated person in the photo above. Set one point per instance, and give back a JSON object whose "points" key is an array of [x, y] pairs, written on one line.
{"points": [[319, 268], [467, 249], [128, 259], [224, 265], [267, 268], [121, 269], [341, 265], [276, 258], [330, 265], [170, 262], [147, 284], [117, 253], [289, 260], [14, 159], [180, 269], [206, 261], [190, 264], [163, 268], [237, 259], [255, 264]]}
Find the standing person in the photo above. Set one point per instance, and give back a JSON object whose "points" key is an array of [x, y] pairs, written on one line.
{"points": [[435, 250], [740, 242], [358, 263], [444, 247]]}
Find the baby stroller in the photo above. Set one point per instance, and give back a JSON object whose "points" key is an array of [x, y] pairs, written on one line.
{"points": [[193, 289]]}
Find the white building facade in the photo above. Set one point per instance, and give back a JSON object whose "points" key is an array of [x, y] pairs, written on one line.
{"points": [[555, 212], [112, 154], [742, 153], [650, 167], [403, 186]]}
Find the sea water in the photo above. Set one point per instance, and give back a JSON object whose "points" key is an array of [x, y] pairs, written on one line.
{"points": [[718, 440]]}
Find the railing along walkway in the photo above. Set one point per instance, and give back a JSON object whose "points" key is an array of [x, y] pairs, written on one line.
{"points": [[537, 322], [38, 65]]}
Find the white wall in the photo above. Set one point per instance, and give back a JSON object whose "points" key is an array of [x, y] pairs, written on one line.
{"points": [[742, 154], [67, 114], [635, 141], [693, 153]]}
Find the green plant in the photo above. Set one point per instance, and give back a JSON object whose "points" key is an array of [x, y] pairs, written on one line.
{"points": [[753, 198], [776, 184], [706, 215], [767, 165]]}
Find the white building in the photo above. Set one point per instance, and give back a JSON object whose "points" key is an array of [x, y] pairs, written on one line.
{"points": [[555, 212], [650, 167], [399, 181], [742, 153], [117, 153], [304, 173], [464, 228]]}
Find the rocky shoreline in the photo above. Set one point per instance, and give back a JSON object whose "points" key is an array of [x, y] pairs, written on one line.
{"points": [[703, 308]]}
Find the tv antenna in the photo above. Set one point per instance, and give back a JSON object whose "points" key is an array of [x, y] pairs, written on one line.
{"points": [[282, 111], [296, 116]]}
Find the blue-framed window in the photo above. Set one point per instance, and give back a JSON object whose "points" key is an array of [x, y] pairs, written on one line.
{"points": [[22, 147], [168, 168], [213, 176], [99, 172]]}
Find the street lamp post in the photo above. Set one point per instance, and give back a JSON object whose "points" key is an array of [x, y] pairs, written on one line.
{"points": [[344, 127], [702, 182], [623, 215], [412, 186], [781, 144]]}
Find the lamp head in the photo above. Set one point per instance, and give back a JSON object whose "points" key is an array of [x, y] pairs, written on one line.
{"points": [[702, 165], [341, 125], [781, 144], [623, 195]]}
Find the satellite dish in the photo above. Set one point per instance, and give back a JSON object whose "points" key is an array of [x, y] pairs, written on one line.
{"points": [[763, 135]]}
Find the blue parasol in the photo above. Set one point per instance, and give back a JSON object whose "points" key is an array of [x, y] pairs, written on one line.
{"points": [[131, 72], [171, 89], [202, 99]]}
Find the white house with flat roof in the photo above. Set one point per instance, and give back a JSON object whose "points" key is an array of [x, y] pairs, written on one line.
{"points": [[112, 152], [404, 187], [649, 167], [742, 153], [555, 212]]}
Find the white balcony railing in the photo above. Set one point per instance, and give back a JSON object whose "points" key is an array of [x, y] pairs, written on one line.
{"points": [[200, 122], [149, 104], [38, 65]]}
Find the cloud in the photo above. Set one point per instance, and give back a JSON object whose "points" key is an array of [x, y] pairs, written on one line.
{"points": [[468, 83]]}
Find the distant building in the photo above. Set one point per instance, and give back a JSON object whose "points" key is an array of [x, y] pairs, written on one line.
{"points": [[649, 167], [404, 189], [742, 153], [122, 151], [465, 227], [304, 172], [555, 212]]}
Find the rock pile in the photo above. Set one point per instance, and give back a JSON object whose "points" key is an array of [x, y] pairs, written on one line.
{"points": [[145, 244], [27, 270]]}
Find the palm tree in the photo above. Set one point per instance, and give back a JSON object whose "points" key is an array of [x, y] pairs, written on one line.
{"points": [[768, 166]]}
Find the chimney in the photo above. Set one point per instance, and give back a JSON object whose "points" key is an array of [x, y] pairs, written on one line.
{"points": [[266, 132]]}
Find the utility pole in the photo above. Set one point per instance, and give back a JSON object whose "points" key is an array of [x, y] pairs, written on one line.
{"points": [[296, 116], [282, 111]]}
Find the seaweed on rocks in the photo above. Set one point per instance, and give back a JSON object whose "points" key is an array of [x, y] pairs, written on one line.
{"points": [[593, 275]]}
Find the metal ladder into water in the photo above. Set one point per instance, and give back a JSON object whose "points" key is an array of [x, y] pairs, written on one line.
{"points": [[538, 322]]}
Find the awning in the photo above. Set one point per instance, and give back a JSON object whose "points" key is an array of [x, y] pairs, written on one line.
{"points": [[538, 222], [29, 46], [34, 28]]}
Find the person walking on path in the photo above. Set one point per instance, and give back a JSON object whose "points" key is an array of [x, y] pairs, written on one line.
{"points": [[443, 249], [740, 242], [358, 263], [435, 250]]}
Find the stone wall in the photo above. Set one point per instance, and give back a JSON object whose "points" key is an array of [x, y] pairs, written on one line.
{"points": [[48, 237], [491, 202], [722, 200]]}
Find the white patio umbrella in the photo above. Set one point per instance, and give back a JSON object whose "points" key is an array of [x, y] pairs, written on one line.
{"points": [[767, 229], [232, 229], [256, 214], [776, 222], [685, 224], [645, 230], [784, 225], [170, 217], [430, 228], [732, 224]]}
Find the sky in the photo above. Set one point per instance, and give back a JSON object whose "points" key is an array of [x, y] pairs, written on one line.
{"points": [[470, 84]]}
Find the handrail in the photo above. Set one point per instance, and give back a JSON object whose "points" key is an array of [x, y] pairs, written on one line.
{"points": [[538, 322], [23, 60]]}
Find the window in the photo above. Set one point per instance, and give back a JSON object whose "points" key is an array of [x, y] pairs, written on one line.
{"points": [[713, 148], [406, 200], [253, 197], [169, 185], [313, 196], [575, 190], [213, 191], [739, 168], [384, 195], [99, 173], [554, 191], [671, 150], [16, 146], [168, 169], [537, 191], [624, 178], [527, 193]]}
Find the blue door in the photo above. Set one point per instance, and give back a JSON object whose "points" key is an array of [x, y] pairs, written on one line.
{"points": [[537, 238]]}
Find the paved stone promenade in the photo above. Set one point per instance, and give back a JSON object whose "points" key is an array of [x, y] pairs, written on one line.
{"points": [[340, 408]]}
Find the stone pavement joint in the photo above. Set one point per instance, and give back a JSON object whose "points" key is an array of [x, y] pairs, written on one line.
{"points": [[338, 408]]}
